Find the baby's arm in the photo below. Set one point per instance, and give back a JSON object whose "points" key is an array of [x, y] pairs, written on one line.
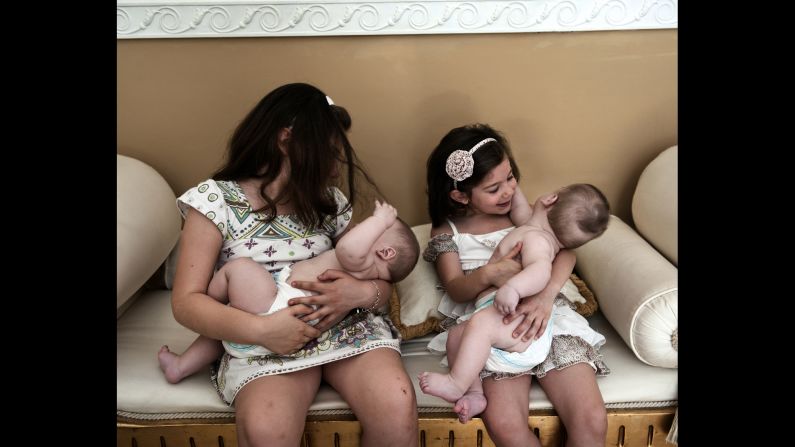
{"points": [[521, 210], [537, 256], [355, 249]]}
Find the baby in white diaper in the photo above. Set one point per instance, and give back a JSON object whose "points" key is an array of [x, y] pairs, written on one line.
{"points": [[381, 247]]}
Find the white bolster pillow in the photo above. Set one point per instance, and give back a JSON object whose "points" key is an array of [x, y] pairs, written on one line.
{"points": [[637, 291]]}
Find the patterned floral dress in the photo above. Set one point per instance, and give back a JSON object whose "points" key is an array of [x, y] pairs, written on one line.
{"points": [[274, 245]]}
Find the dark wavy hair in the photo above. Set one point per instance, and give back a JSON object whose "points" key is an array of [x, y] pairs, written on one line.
{"points": [[487, 157], [317, 143]]}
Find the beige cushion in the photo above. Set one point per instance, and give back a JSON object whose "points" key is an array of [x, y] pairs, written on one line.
{"points": [[142, 391], [637, 291], [654, 205], [417, 293], [147, 224], [414, 309]]}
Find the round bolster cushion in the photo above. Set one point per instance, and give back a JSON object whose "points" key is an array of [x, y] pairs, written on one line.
{"points": [[637, 291], [655, 203], [147, 224]]}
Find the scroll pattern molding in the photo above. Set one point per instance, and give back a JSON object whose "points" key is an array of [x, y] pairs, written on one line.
{"points": [[169, 19]]}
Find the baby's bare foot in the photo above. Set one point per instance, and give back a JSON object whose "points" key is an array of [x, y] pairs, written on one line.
{"points": [[169, 363], [472, 404], [440, 385]]}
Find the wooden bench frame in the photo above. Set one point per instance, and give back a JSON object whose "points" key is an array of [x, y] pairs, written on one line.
{"points": [[625, 428]]}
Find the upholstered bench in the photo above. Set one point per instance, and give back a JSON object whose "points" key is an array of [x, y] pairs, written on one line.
{"points": [[634, 284]]}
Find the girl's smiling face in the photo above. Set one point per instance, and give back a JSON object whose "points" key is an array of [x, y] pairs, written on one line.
{"points": [[494, 193]]}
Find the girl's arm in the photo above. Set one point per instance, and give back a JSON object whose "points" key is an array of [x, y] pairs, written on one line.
{"points": [[338, 293], [281, 332], [538, 308], [462, 288]]}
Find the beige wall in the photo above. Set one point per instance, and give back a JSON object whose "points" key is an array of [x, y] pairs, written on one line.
{"points": [[576, 107]]}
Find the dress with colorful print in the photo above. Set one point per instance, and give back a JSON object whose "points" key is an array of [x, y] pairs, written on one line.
{"points": [[274, 245]]}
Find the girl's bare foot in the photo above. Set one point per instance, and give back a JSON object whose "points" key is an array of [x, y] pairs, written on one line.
{"points": [[169, 363], [470, 405], [440, 385]]}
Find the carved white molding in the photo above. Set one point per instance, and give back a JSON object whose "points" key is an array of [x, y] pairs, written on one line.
{"points": [[227, 18]]}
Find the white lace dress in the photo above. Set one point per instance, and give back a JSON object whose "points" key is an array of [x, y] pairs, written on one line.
{"points": [[573, 340]]}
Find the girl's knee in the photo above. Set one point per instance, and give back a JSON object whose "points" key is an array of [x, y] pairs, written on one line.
{"points": [[260, 432], [501, 425], [401, 402], [589, 423]]}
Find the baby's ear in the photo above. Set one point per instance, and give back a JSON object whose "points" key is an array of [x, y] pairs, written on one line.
{"points": [[459, 197], [549, 200], [387, 253]]}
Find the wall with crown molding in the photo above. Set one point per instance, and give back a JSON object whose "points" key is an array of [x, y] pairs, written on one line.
{"points": [[235, 18], [577, 107]]}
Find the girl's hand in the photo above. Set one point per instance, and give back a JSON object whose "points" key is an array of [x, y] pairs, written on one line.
{"points": [[285, 332], [536, 311], [506, 267], [338, 293]]}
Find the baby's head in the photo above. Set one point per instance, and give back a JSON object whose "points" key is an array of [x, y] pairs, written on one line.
{"points": [[580, 214], [402, 240]]}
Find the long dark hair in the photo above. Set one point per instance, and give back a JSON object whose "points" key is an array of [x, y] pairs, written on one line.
{"points": [[317, 142], [488, 156]]}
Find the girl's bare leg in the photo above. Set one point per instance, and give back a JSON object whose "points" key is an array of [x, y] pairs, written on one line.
{"points": [[271, 411], [577, 400], [380, 393], [506, 415]]}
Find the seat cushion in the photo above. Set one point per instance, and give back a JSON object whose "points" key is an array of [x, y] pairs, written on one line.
{"points": [[143, 393]]}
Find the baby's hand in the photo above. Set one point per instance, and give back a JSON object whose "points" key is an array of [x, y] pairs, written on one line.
{"points": [[386, 212], [506, 300]]}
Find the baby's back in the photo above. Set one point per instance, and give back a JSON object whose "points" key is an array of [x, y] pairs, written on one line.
{"points": [[533, 239], [309, 269]]}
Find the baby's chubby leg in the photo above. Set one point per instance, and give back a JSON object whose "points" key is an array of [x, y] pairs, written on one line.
{"points": [[488, 323], [484, 330], [243, 283], [473, 402], [246, 284], [199, 354]]}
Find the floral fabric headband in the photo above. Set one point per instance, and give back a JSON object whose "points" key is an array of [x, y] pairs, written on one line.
{"points": [[460, 163]]}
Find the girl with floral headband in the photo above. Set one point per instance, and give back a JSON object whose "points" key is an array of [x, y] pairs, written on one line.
{"points": [[472, 182]]}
